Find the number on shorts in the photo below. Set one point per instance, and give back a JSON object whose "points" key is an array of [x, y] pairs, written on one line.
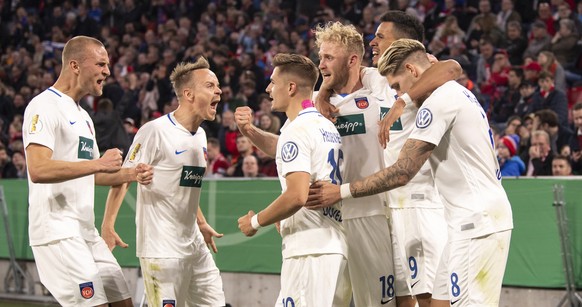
{"points": [[455, 289], [387, 286], [288, 302], [335, 176], [413, 267]]}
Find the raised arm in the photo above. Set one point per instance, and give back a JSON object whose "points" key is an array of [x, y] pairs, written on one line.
{"points": [[438, 74], [265, 141], [43, 169], [281, 208]]}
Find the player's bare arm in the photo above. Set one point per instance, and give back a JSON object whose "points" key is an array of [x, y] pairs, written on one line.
{"points": [[207, 231], [323, 104], [142, 173], [43, 169], [438, 74], [283, 206], [112, 205], [413, 155], [265, 141]]}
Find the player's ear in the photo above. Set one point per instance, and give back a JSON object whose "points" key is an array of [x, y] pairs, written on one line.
{"points": [[353, 59], [411, 69], [292, 88], [74, 65]]}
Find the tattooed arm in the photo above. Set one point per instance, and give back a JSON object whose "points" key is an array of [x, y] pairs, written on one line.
{"points": [[412, 156]]}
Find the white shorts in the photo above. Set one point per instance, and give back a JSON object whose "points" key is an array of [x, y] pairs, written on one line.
{"points": [[419, 236], [370, 260], [192, 281], [80, 273], [314, 280], [475, 270]]}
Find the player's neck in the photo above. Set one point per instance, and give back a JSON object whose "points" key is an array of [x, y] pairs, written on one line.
{"points": [[354, 83], [295, 106], [188, 120], [69, 87]]}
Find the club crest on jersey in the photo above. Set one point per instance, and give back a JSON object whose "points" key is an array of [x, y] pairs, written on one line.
{"points": [[362, 102], [87, 290], [289, 151], [35, 124], [423, 118], [168, 303], [205, 153]]}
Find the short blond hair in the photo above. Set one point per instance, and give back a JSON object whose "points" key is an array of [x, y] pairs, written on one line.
{"points": [[77, 48], [391, 61], [181, 74], [336, 32]]}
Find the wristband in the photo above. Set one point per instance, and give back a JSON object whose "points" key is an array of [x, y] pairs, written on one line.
{"points": [[345, 192], [406, 98], [255, 222]]}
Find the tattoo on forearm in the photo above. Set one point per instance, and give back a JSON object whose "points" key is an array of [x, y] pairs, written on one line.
{"points": [[413, 155]]}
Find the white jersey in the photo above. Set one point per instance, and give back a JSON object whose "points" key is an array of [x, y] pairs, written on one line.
{"points": [[61, 210], [421, 191], [167, 208], [311, 144], [464, 162], [357, 123]]}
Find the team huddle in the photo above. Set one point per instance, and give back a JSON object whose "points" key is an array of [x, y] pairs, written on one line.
{"points": [[391, 189]]}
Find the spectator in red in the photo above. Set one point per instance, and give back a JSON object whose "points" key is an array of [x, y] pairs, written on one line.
{"points": [[227, 134], [531, 72], [217, 163]]}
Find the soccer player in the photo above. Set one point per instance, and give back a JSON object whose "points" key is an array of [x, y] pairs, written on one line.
{"points": [[467, 174], [417, 249], [73, 262], [341, 49], [314, 270], [177, 266]]}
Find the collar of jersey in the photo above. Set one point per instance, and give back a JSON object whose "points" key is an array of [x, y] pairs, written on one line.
{"points": [[62, 95], [177, 124], [308, 110]]}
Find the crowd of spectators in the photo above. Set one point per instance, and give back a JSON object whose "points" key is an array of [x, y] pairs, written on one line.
{"points": [[523, 65]]}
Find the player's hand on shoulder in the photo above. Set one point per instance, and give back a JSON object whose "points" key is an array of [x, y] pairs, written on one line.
{"points": [[244, 224], [110, 162], [324, 106], [321, 195], [111, 238], [243, 117], [209, 233], [144, 173]]}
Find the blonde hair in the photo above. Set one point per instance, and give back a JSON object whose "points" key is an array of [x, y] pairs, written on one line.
{"points": [[76, 48], [336, 32], [391, 62], [181, 73]]}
